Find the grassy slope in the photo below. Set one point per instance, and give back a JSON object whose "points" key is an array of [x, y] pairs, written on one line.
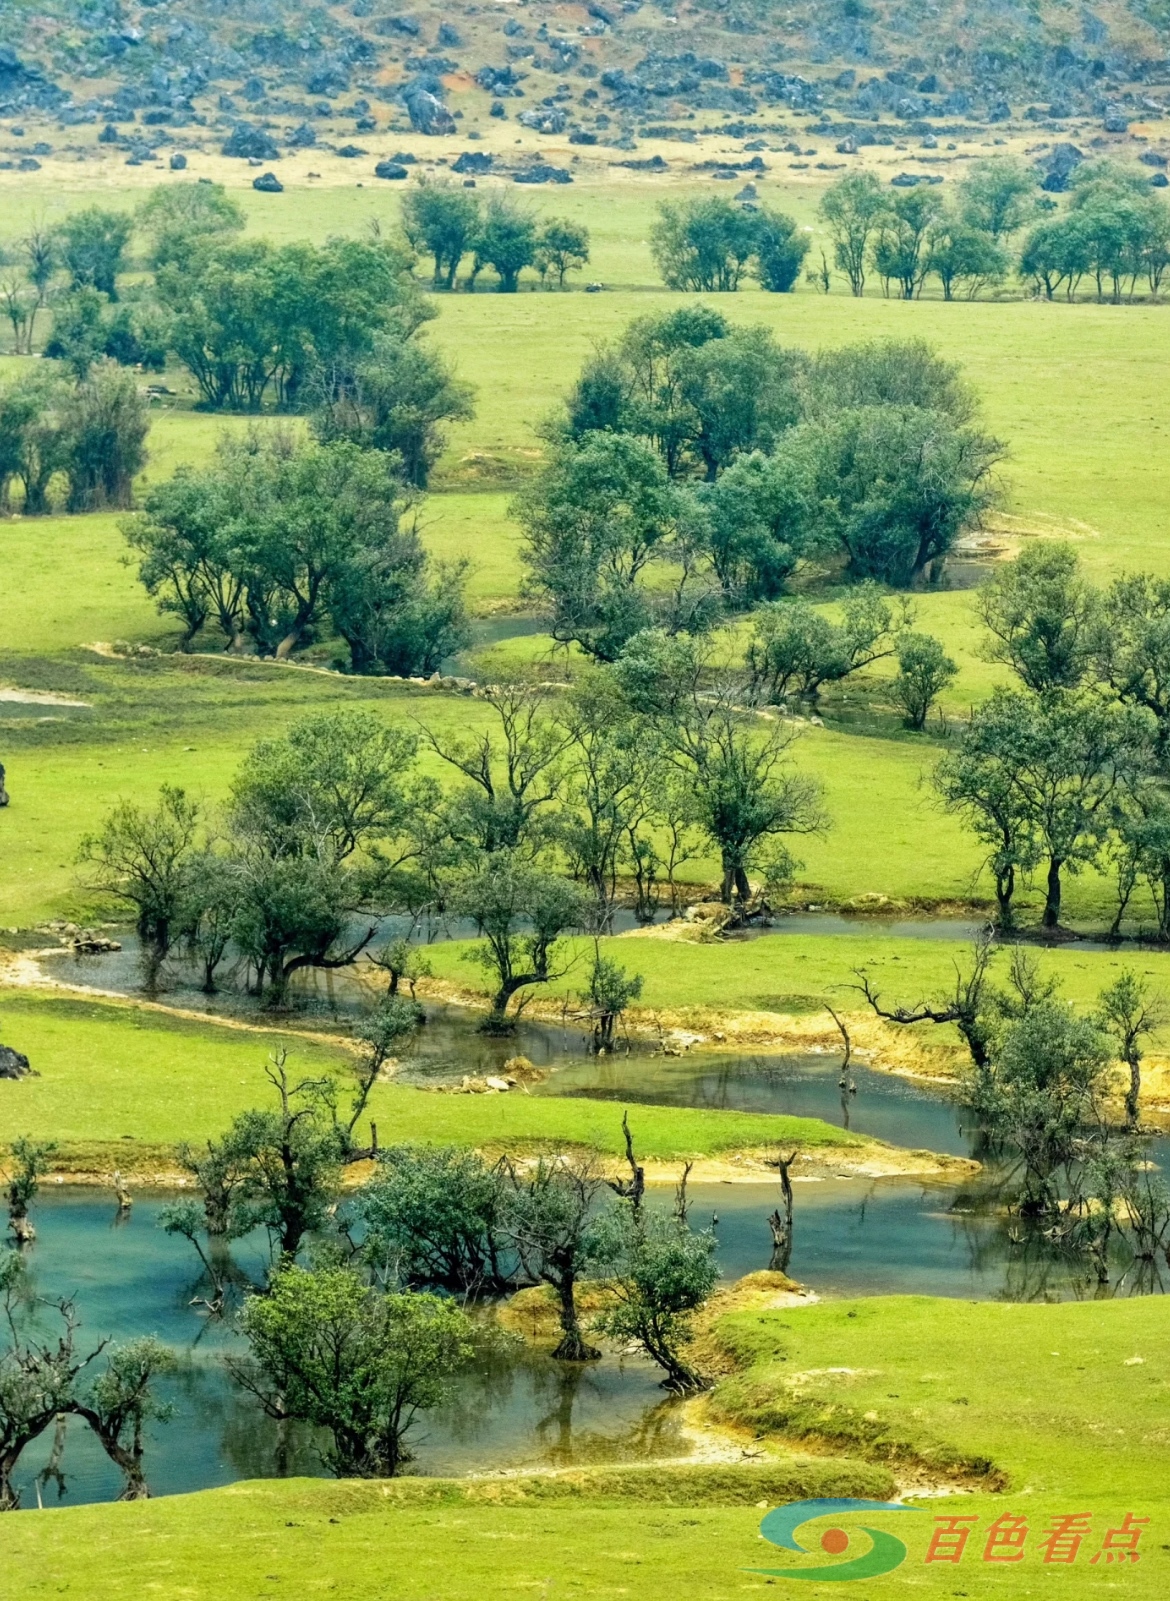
{"points": [[1050, 1395], [110, 1073]]}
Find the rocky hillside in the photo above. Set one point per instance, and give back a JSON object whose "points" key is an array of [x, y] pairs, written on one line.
{"points": [[605, 71]]}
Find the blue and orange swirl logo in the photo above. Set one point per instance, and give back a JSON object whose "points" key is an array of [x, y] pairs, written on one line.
{"points": [[885, 1553]]}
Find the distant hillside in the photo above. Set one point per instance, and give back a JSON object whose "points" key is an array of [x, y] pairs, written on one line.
{"points": [[604, 70]]}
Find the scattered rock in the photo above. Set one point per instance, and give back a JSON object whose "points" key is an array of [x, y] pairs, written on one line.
{"points": [[268, 184], [250, 143], [1159, 181], [3, 791], [1115, 120], [13, 1064], [580, 136], [473, 161], [542, 173], [390, 169], [178, 162], [86, 943], [350, 151], [302, 137], [1152, 158]]}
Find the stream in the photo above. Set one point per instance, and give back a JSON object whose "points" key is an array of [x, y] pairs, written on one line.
{"points": [[515, 1407]]}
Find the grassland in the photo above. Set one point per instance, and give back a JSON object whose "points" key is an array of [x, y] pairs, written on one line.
{"points": [[1067, 1418], [121, 1084]]}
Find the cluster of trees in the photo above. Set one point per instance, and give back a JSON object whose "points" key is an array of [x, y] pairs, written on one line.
{"points": [[712, 245], [1067, 769], [448, 224], [279, 540], [1040, 1081], [1115, 231], [697, 465], [328, 330], [86, 438]]}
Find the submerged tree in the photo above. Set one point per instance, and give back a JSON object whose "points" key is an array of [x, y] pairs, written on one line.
{"points": [[661, 1273], [552, 1220]]}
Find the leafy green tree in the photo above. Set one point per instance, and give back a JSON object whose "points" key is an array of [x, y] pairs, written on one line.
{"points": [[29, 1162], [395, 401], [977, 780], [32, 440], [329, 1351], [434, 1218], [895, 486], [597, 516], [141, 857], [553, 1219], [759, 524], [38, 1373], [610, 991], [92, 244], [1055, 252], [703, 245], [742, 392], [1130, 1013], [852, 207], [104, 424], [505, 240], [514, 772], [181, 220], [24, 291], [80, 330], [662, 1273], [562, 246], [962, 255], [120, 1403], [748, 796], [924, 671], [895, 373], [1132, 648], [997, 196], [522, 912], [1047, 1083], [901, 251], [1042, 616], [442, 221], [796, 649], [781, 247]]}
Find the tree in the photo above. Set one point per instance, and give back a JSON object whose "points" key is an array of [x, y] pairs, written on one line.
{"points": [[30, 1161], [1056, 252], [742, 391], [562, 246], [122, 1401], [896, 485], [331, 1352], [1042, 616], [703, 245], [961, 254], [1132, 648], [978, 781], [852, 208], [32, 442], [1047, 1081], [514, 774], [553, 1220], [662, 1273], [997, 196], [441, 220], [924, 671], [781, 247], [104, 424], [902, 248], [1129, 1012], [92, 243], [434, 1218], [182, 220], [797, 649], [747, 793], [505, 240], [25, 291], [610, 991], [759, 523], [142, 858], [595, 518], [37, 1376], [521, 912], [892, 373], [394, 401]]}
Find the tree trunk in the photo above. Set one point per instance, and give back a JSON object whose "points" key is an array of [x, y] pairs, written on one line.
{"points": [[573, 1346], [1133, 1093], [1052, 899]]}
